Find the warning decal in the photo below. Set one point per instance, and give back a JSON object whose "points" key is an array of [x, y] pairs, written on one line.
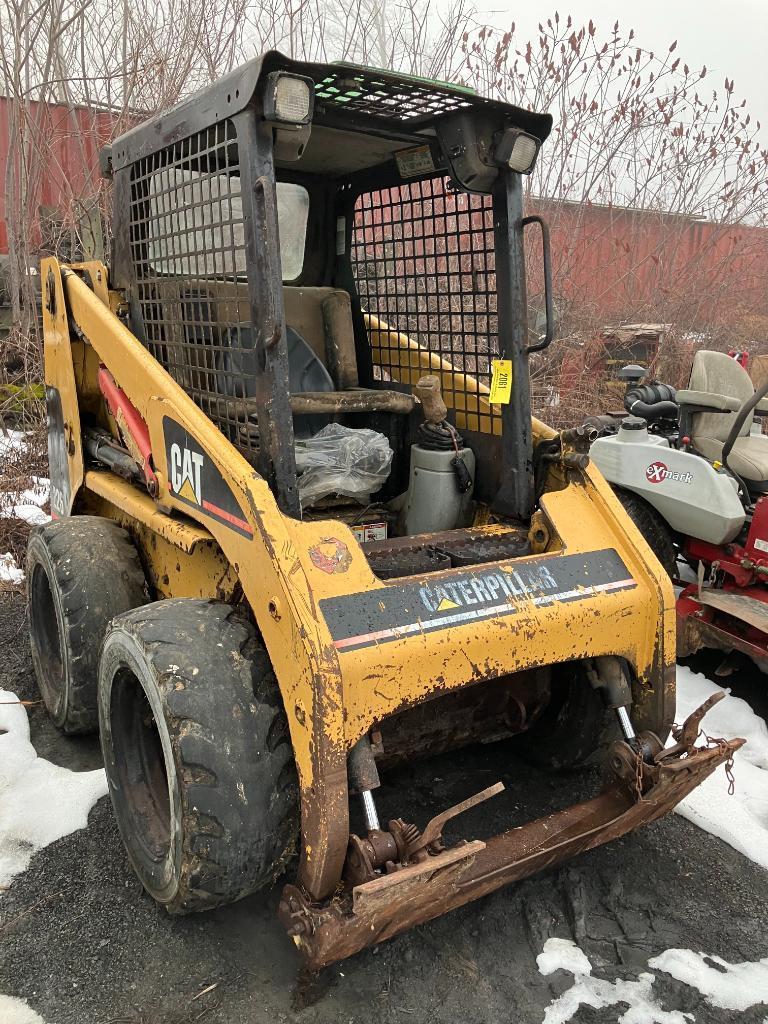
{"points": [[456, 598]]}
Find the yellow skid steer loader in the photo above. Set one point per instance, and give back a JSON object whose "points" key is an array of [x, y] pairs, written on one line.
{"points": [[304, 524]]}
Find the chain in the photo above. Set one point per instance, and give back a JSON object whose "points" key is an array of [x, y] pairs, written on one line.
{"points": [[719, 742], [639, 774]]}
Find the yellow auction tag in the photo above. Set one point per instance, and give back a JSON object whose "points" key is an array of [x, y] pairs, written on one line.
{"points": [[501, 383]]}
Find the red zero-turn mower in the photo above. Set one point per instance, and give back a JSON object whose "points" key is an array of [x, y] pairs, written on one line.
{"points": [[693, 476]]}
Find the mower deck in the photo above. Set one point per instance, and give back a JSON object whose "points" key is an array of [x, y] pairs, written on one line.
{"points": [[726, 620]]}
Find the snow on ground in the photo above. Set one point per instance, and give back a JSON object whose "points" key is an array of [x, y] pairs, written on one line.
{"points": [[26, 506], [562, 954], [12, 440], [16, 1011], [30, 502], [741, 820], [39, 801], [9, 571], [729, 986]]}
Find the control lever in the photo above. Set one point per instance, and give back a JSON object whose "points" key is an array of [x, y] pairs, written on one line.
{"points": [[686, 734], [434, 829]]}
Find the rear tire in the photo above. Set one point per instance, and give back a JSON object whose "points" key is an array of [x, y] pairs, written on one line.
{"points": [[575, 728], [657, 534], [81, 572], [197, 753]]}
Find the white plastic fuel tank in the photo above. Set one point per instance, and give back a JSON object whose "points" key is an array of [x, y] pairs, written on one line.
{"points": [[433, 501], [686, 490]]}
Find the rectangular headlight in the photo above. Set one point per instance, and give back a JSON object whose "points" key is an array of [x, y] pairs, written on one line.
{"points": [[517, 150], [288, 98]]}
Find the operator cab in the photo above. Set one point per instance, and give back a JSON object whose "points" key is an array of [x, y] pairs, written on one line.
{"points": [[329, 259]]}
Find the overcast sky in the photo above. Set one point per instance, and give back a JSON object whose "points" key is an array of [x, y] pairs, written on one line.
{"points": [[730, 38]]}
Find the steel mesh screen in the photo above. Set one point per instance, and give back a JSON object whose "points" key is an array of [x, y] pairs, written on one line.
{"points": [[423, 258], [377, 95], [188, 252]]}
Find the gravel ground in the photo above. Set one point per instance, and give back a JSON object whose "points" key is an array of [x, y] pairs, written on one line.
{"points": [[82, 943]]}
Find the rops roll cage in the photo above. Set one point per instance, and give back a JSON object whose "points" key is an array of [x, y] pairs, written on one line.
{"points": [[465, 134]]}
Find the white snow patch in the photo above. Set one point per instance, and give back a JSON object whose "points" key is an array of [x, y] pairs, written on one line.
{"points": [[16, 1011], [12, 440], [39, 802], [735, 987], [562, 954], [9, 571], [29, 504], [740, 820]]}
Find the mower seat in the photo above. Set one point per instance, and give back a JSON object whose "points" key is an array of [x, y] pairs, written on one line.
{"points": [[720, 383]]}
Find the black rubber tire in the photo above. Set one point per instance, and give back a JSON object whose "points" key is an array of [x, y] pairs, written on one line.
{"points": [[197, 752], [657, 534], [81, 572], [575, 728]]}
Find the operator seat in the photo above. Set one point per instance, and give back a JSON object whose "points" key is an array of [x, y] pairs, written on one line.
{"points": [[321, 358], [720, 383]]}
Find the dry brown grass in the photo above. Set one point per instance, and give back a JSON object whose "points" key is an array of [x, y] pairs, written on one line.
{"points": [[18, 466]]}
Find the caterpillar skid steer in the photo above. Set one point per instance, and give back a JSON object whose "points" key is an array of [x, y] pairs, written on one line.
{"points": [[305, 524]]}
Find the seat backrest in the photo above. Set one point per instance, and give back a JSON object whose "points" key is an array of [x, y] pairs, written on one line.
{"points": [[323, 317], [719, 374]]}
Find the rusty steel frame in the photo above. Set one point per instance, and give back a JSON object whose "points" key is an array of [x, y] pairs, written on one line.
{"points": [[379, 909]]}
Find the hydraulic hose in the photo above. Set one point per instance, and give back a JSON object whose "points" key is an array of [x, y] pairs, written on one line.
{"points": [[652, 401]]}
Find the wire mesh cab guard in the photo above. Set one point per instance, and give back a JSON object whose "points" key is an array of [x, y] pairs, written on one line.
{"points": [[424, 262], [197, 247]]}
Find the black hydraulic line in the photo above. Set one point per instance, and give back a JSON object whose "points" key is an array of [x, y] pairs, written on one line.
{"points": [[653, 410]]}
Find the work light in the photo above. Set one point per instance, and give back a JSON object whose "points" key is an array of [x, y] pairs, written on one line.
{"points": [[288, 98], [517, 150]]}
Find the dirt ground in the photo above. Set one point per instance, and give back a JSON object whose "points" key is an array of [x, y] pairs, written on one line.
{"points": [[82, 943]]}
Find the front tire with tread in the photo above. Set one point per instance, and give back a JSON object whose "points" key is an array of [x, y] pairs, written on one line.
{"points": [[197, 753], [574, 730], [655, 531]]}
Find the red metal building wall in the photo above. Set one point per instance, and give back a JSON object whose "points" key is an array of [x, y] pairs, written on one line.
{"points": [[624, 263], [69, 139]]}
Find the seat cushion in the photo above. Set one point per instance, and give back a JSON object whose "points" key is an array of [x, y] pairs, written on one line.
{"points": [[717, 373], [748, 458]]}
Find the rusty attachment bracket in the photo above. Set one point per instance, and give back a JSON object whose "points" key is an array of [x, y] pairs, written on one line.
{"points": [[685, 735], [434, 828], [373, 907]]}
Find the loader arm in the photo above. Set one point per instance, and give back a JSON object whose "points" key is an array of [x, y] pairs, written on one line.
{"points": [[277, 589]]}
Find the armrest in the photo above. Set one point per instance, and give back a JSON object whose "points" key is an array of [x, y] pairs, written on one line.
{"points": [[354, 400], [710, 401], [761, 409]]}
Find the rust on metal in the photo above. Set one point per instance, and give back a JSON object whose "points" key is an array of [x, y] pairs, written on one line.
{"points": [[740, 606], [402, 896], [434, 830]]}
